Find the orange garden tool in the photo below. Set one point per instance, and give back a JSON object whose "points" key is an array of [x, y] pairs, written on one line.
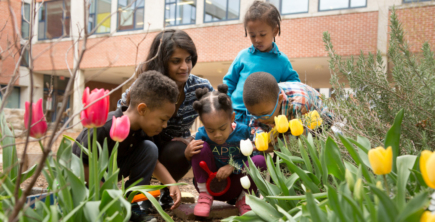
{"points": [[142, 197]]}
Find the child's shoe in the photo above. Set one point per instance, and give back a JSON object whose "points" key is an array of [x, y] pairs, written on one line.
{"points": [[242, 206], [202, 208]]}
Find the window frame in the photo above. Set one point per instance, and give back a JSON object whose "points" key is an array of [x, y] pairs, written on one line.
{"points": [[349, 1], [226, 13], [176, 7], [95, 18], [19, 96], [23, 21], [294, 13], [45, 19], [418, 1], [25, 57], [118, 23]]}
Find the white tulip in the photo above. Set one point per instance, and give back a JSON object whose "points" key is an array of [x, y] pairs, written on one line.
{"points": [[246, 147], [246, 183]]}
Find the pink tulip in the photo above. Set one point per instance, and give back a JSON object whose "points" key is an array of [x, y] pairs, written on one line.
{"points": [[120, 128], [96, 114], [38, 126]]}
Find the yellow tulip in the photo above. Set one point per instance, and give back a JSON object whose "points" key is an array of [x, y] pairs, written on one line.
{"points": [[262, 141], [427, 164], [313, 119], [281, 123], [427, 216], [381, 160], [296, 127], [358, 190]]}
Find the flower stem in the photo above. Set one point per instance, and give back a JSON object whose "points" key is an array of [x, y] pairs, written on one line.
{"points": [[95, 161], [386, 185]]}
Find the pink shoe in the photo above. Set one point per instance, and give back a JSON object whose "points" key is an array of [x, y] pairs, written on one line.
{"points": [[202, 208], [242, 206]]}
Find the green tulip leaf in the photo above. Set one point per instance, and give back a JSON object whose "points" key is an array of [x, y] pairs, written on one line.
{"points": [[334, 203], [393, 137], [414, 208], [263, 209], [333, 159], [388, 205], [404, 164], [249, 216], [315, 212]]}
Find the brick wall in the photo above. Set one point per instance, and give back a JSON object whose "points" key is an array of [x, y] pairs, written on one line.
{"points": [[419, 26], [299, 38], [8, 58]]}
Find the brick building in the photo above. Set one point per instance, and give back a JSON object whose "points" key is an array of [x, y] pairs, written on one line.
{"points": [[216, 26]]}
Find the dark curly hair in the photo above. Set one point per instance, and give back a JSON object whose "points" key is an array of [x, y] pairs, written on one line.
{"points": [[153, 88], [260, 87], [263, 11], [213, 101]]}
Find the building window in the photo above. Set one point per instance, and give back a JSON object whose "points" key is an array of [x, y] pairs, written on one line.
{"points": [[410, 1], [130, 14], [98, 11], [180, 12], [25, 15], [327, 5], [25, 59], [52, 17], [221, 10], [287, 7], [13, 100]]}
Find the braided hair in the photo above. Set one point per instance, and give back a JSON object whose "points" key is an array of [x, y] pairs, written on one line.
{"points": [[208, 102], [263, 11]]}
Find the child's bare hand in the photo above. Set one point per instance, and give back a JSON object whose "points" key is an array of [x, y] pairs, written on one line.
{"points": [[224, 172], [193, 148], [175, 193]]}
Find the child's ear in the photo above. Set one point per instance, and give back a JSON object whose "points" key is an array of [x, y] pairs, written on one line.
{"points": [[142, 109], [275, 31], [281, 97], [233, 117]]}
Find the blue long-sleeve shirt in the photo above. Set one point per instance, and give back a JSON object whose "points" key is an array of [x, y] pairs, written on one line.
{"points": [[252, 60]]}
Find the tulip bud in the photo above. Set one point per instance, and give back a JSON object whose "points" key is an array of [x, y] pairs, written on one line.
{"points": [[349, 179], [296, 127], [357, 192], [381, 160], [96, 114], [262, 141], [281, 123], [427, 166], [246, 183], [120, 128], [38, 126], [427, 216], [246, 147], [313, 119]]}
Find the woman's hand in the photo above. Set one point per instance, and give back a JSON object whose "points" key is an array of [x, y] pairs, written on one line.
{"points": [[181, 139], [224, 172], [176, 196], [193, 148]]}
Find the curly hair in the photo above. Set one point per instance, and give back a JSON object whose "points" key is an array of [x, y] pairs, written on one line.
{"points": [[213, 101], [153, 88], [263, 11], [260, 87]]}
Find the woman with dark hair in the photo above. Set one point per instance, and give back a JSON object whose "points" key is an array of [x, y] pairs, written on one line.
{"points": [[176, 58]]}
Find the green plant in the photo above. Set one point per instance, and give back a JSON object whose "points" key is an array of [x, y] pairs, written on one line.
{"points": [[380, 87], [322, 187]]}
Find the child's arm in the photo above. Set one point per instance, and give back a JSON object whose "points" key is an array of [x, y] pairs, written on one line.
{"points": [[290, 75], [163, 175], [232, 77], [224, 172]]}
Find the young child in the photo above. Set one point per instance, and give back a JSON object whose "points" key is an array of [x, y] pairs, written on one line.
{"points": [[152, 103], [265, 99], [215, 142], [262, 24]]}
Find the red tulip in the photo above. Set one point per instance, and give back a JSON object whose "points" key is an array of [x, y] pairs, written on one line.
{"points": [[96, 114], [120, 128], [38, 126]]}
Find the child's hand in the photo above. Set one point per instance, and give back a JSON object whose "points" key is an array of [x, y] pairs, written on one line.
{"points": [[193, 148], [176, 196], [224, 172]]}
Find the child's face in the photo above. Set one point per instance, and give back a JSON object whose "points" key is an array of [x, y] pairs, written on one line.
{"points": [[266, 108], [179, 66], [152, 121], [217, 124], [261, 34]]}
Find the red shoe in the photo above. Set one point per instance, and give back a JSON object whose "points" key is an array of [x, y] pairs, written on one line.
{"points": [[242, 206], [202, 208]]}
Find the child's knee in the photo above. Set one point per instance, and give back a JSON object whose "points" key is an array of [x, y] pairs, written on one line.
{"points": [[150, 150]]}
